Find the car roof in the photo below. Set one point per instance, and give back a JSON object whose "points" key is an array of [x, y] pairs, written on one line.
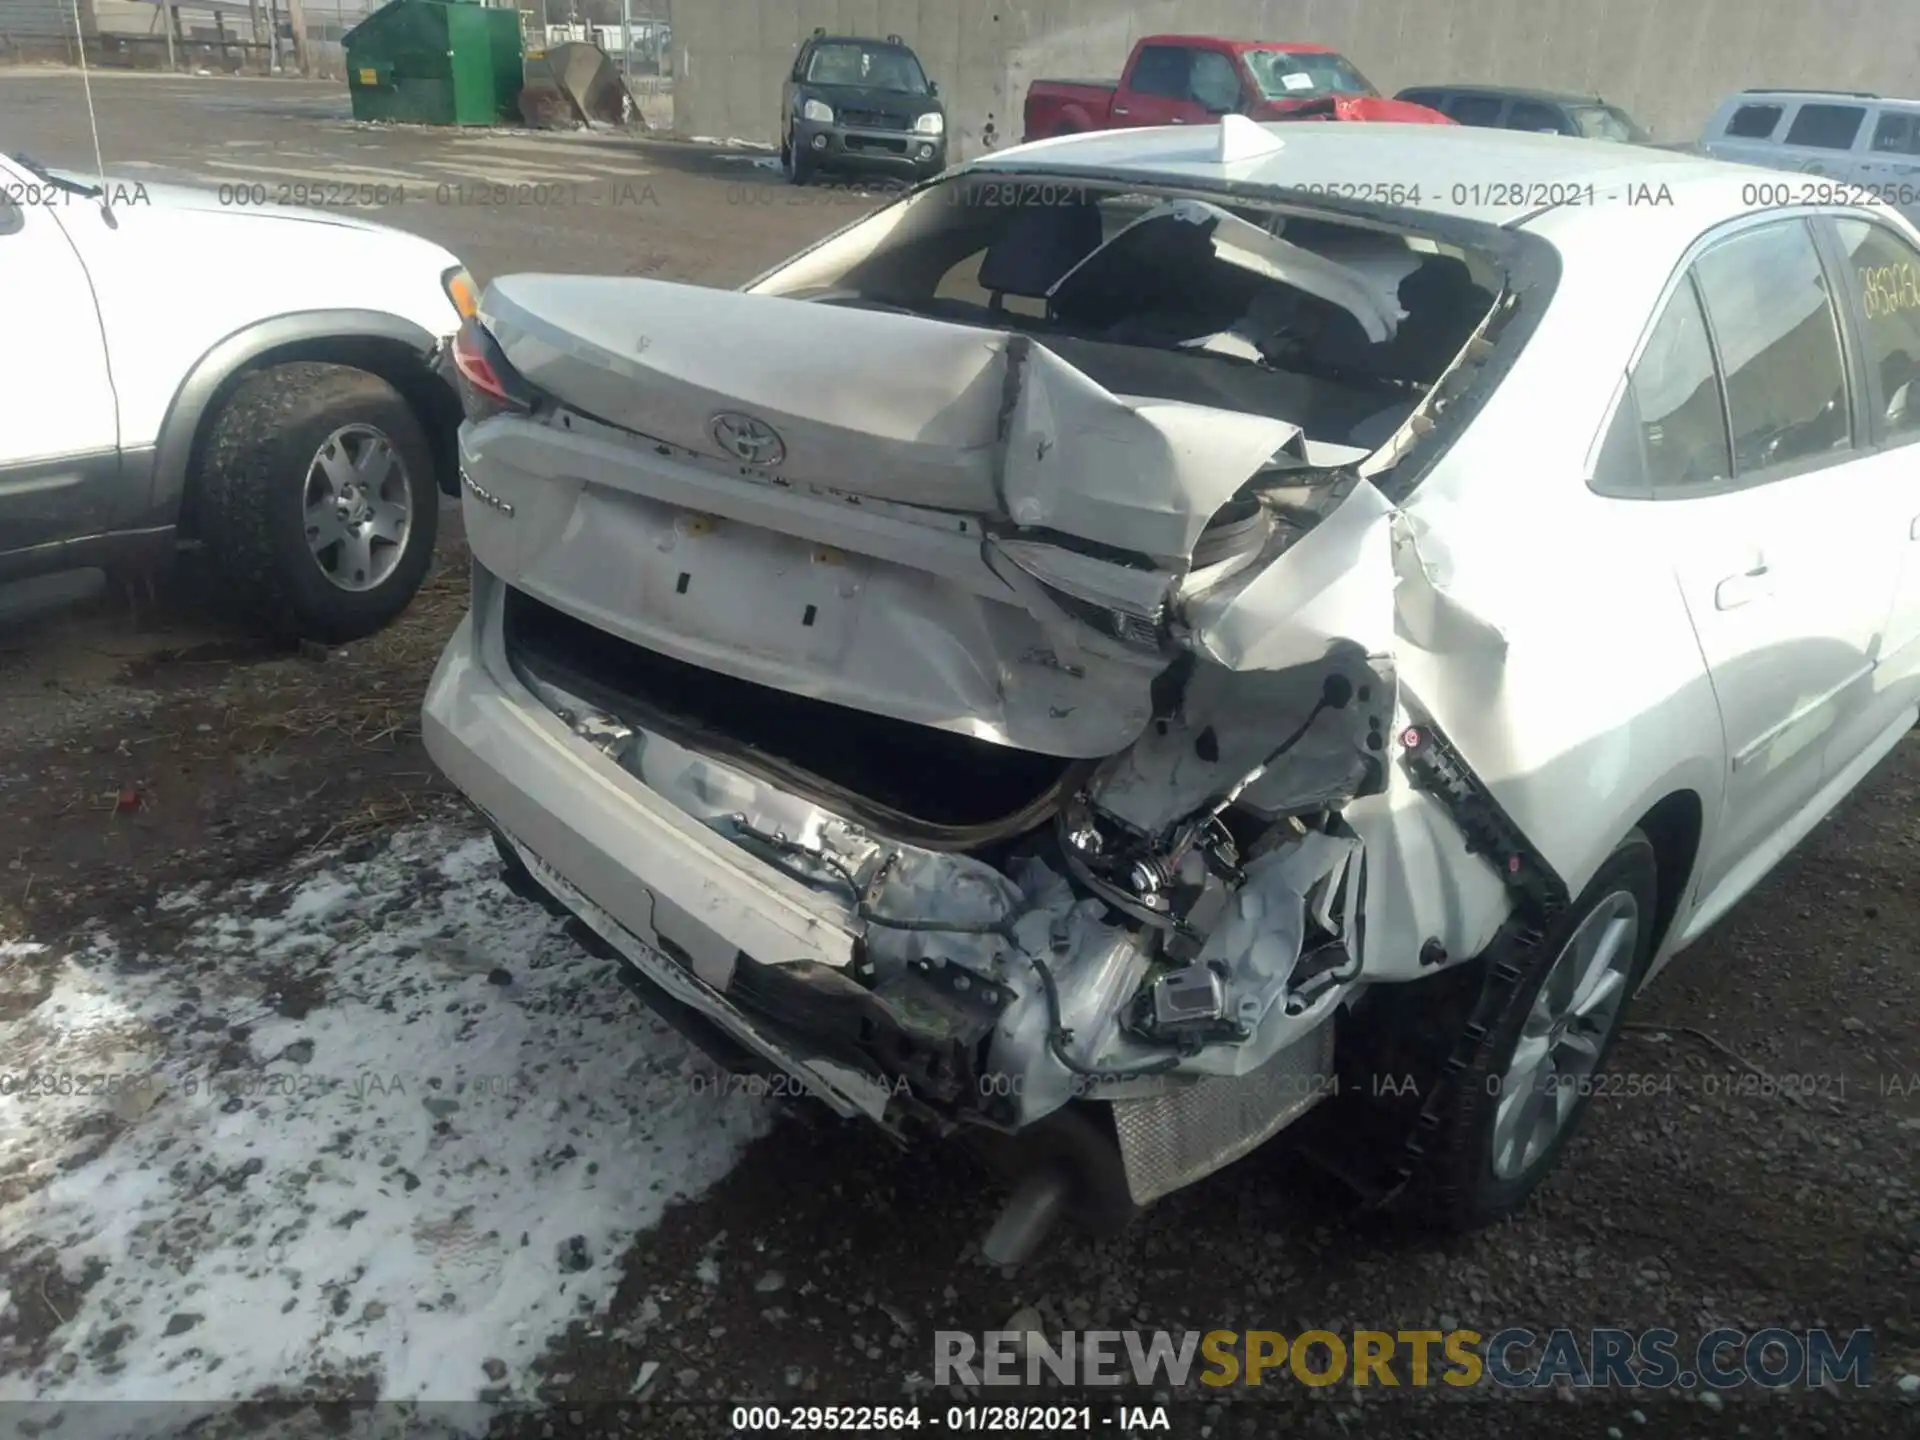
{"points": [[1789, 93], [877, 42], [1290, 46], [1494, 176], [1514, 92]]}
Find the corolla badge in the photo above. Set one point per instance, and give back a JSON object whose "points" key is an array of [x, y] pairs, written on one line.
{"points": [[484, 495], [751, 441]]}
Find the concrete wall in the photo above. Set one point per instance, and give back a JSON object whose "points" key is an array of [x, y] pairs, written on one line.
{"points": [[1667, 63]]}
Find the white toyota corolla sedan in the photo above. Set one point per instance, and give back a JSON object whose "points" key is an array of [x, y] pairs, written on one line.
{"points": [[1158, 632]]}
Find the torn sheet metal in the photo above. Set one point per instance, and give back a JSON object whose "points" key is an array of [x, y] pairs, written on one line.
{"points": [[1229, 722], [1335, 584], [1428, 615], [1259, 942], [1140, 475], [1000, 927]]}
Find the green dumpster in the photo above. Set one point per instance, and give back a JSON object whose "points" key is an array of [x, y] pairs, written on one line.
{"points": [[435, 62]]}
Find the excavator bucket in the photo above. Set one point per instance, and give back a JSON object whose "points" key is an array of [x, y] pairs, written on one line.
{"points": [[574, 85]]}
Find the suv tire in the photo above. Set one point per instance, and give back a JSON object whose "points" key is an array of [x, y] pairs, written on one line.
{"points": [[316, 502]]}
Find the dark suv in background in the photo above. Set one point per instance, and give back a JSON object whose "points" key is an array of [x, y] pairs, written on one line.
{"points": [[1501, 107], [861, 105]]}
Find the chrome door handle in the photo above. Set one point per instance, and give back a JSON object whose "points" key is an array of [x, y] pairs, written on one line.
{"points": [[1913, 528], [1121, 110], [1176, 120], [1737, 590]]}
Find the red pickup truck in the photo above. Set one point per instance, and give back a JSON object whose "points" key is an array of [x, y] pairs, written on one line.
{"points": [[1195, 79]]}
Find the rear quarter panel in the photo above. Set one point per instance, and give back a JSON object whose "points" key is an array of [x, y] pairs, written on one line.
{"points": [[1600, 705]]}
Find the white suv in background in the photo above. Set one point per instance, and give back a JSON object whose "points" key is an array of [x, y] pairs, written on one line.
{"points": [[258, 381], [1844, 135]]}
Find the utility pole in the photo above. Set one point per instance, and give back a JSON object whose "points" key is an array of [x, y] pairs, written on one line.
{"points": [[626, 42], [297, 16], [166, 19]]}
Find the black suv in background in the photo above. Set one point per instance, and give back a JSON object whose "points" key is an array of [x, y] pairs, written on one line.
{"points": [[861, 105], [1501, 107]]}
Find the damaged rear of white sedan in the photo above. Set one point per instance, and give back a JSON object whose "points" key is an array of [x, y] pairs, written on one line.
{"points": [[1129, 643]]}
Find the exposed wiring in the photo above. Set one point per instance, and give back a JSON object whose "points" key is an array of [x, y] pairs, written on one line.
{"points": [[1059, 1037]]}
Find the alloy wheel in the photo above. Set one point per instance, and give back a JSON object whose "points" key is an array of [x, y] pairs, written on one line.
{"points": [[358, 507], [1566, 1032]]}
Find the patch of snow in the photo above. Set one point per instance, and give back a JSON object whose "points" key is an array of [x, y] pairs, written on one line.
{"points": [[391, 1126]]}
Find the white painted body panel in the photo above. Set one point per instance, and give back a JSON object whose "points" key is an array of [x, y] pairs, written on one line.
{"points": [[300, 260], [56, 393], [305, 260]]}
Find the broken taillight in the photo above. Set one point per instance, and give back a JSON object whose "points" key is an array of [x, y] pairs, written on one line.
{"points": [[488, 384]]}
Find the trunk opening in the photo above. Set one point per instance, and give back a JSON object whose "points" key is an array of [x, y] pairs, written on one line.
{"points": [[930, 787]]}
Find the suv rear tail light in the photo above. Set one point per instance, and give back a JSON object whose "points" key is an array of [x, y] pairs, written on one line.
{"points": [[488, 384]]}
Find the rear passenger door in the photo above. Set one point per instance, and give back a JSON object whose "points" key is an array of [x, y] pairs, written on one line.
{"points": [[1879, 279], [1747, 422]]}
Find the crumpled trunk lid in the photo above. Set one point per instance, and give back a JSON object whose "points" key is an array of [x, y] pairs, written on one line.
{"points": [[880, 405]]}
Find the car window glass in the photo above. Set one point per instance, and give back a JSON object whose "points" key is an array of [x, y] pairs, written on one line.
{"points": [[1897, 133], [1530, 115], [1826, 127], [1774, 329], [1433, 99], [1213, 81], [1607, 122], [1883, 272], [10, 217], [1673, 388], [1476, 110], [1306, 74], [1161, 70], [874, 67], [1753, 122]]}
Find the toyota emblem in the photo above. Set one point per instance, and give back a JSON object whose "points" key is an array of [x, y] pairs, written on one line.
{"points": [[750, 441]]}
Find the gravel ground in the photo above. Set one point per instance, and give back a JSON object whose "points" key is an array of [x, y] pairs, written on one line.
{"points": [[182, 807]]}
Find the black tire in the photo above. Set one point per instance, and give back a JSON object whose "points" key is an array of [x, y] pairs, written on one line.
{"points": [[1455, 1185], [248, 508], [799, 168]]}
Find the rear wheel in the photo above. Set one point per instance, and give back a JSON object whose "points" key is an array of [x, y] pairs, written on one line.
{"points": [[1504, 1119], [316, 504]]}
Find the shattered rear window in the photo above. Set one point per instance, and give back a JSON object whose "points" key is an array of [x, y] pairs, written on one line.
{"points": [[1334, 324]]}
